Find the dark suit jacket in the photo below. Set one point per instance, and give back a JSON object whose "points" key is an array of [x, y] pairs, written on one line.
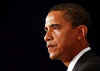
{"points": [[88, 62]]}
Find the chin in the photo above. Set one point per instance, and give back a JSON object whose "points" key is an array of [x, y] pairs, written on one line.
{"points": [[54, 57]]}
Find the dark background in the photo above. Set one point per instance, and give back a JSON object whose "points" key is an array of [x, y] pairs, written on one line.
{"points": [[21, 43]]}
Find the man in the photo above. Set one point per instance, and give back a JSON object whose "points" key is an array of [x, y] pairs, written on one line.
{"points": [[66, 30]]}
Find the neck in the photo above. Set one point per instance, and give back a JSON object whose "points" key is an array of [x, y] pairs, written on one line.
{"points": [[76, 50]]}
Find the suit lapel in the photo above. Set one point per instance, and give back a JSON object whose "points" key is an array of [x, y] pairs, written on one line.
{"points": [[82, 60]]}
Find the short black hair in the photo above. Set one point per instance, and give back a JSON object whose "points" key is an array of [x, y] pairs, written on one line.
{"points": [[77, 14]]}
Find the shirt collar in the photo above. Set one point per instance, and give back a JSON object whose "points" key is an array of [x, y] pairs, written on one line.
{"points": [[76, 58]]}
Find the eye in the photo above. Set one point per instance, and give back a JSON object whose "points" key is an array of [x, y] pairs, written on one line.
{"points": [[56, 27]]}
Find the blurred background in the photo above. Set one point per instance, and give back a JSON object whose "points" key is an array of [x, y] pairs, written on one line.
{"points": [[22, 47]]}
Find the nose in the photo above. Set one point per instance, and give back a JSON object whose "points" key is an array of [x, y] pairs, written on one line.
{"points": [[48, 36]]}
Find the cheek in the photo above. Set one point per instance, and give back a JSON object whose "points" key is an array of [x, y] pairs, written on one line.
{"points": [[60, 37], [57, 33], [57, 36], [64, 39]]}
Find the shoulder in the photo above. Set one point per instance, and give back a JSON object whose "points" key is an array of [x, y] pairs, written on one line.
{"points": [[90, 61]]}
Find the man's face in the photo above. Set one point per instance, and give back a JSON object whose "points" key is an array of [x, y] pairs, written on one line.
{"points": [[60, 36]]}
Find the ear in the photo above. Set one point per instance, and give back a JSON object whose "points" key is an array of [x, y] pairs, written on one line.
{"points": [[83, 30]]}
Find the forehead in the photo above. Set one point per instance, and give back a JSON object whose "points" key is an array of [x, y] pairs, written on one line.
{"points": [[54, 17], [56, 13]]}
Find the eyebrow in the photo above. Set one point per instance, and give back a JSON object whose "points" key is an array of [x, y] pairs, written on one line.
{"points": [[52, 25]]}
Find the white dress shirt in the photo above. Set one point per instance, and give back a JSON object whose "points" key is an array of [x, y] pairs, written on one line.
{"points": [[76, 58]]}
